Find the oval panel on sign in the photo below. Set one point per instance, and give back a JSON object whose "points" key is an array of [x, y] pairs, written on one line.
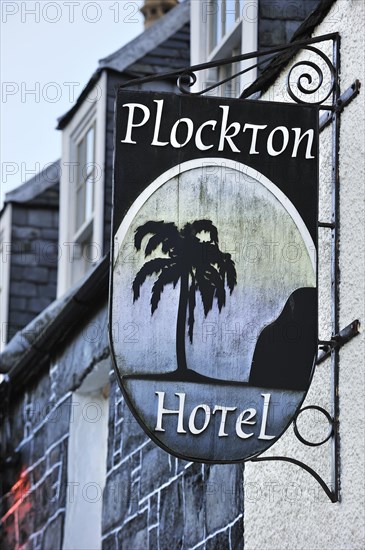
{"points": [[215, 271]]}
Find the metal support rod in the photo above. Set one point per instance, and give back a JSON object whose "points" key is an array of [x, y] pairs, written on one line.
{"points": [[335, 275], [344, 336]]}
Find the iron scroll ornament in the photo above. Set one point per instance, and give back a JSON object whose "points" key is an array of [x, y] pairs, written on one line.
{"points": [[188, 79]]}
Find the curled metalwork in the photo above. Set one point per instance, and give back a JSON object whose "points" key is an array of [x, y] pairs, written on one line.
{"points": [[305, 441], [185, 81], [331, 494], [304, 80]]}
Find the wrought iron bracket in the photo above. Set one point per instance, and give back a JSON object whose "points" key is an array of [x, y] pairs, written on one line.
{"points": [[329, 349], [342, 102], [338, 340]]}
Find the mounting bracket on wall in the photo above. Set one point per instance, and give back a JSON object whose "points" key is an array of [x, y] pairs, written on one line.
{"points": [[312, 80]]}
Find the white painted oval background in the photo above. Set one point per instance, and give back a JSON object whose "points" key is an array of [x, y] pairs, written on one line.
{"points": [[268, 241]]}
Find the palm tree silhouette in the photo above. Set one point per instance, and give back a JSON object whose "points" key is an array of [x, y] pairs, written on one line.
{"points": [[199, 265]]}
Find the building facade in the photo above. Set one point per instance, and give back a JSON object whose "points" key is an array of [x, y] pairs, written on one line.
{"points": [[77, 469]]}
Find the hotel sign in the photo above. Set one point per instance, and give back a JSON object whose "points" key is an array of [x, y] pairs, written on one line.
{"points": [[213, 299]]}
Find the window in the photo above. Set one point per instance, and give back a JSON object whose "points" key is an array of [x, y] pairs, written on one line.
{"points": [[222, 29], [83, 249], [85, 178], [82, 189], [224, 15]]}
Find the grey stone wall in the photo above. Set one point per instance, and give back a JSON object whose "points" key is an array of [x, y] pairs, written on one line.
{"points": [[34, 497], [279, 19], [150, 500], [34, 257], [154, 500]]}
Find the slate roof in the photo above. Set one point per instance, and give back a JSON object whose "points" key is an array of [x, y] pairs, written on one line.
{"points": [[34, 189], [161, 48]]}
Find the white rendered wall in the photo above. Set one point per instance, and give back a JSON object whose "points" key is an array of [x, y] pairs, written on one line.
{"points": [[284, 506]]}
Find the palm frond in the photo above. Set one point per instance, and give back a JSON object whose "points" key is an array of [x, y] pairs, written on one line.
{"points": [[149, 268], [206, 290], [160, 228], [231, 273], [169, 242], [168, 275], [213, 276], [207, 226]]}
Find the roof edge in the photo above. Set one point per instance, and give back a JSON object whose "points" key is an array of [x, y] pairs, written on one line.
{"points": [[32, 188], [24, 356], [279, 62]]}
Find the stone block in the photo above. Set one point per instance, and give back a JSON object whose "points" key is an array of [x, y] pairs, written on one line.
{"points": [[25, 233], [37, 274], [290, 28], [109, 543], [287, 9], [47, 253], [237, 540], [18, 273], [116, 497], [36, 305], [17, 303], [23, 256], [26, 520], [40, 217], [194, 506], [271, 32], [153, 510], [26, 289], [220, 541], [48, 291], [18, 320], [156, 468], [224, 495], [172, 516], [153, 539], [53, 534], [39, 405], [49, 234], [38, 471], [134, 534], [58, 422], [39, 444], [89, 343], [8, 537], [19, 215], [133, 436], [41, 498]]}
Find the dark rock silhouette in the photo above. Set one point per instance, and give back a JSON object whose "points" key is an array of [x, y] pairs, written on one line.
{"points": [[286, 349]]}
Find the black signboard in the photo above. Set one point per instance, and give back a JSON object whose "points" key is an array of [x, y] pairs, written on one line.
{"points": [[213, 302]]}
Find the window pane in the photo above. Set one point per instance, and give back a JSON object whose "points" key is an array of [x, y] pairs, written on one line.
{"points": [[89, 197], [90, 146], [230, 15], [85, 178], [214, 23], [81, 155], [239, 8], [80, 206]]}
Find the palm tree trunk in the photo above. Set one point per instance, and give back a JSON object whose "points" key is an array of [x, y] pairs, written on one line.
{"points": [[181, 323]]}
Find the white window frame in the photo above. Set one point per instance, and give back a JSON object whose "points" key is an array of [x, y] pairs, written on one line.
{"points": [[5, 262], [92, 111], [243, 32]]}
